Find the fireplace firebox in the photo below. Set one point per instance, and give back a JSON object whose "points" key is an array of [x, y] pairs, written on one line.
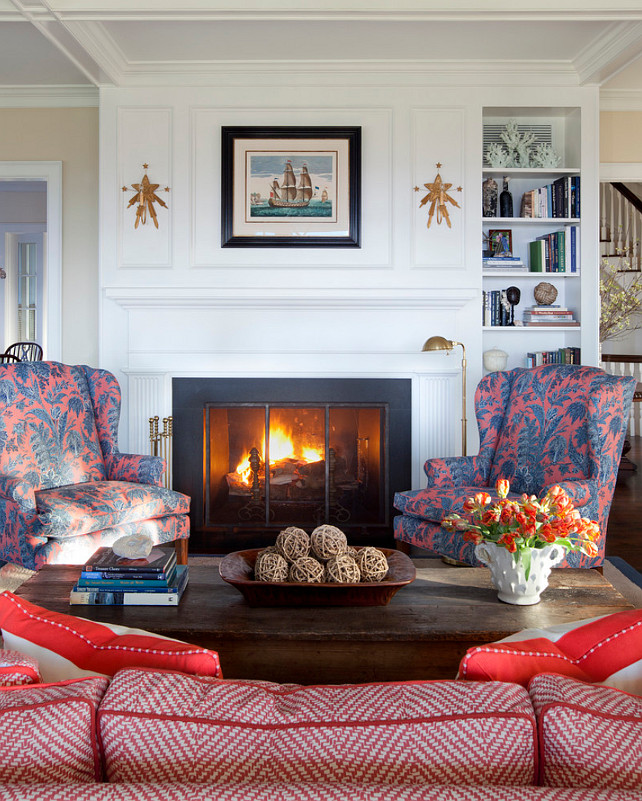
{"points": [[257, 455]]}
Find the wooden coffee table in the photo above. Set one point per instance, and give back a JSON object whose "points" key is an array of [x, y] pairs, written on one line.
{"points": [[422, 634]]}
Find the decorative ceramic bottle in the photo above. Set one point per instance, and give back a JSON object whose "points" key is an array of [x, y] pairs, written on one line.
{"points": [[489, 197], [505, 201]]}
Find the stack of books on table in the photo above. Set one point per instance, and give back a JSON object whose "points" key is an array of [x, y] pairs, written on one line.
{"points": [[111, 580], [549, 316]]}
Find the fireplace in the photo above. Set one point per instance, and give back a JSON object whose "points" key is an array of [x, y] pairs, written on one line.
{"points": [[257, 455]]}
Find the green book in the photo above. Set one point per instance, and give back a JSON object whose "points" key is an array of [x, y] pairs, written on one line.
{"points": [[537, 256]]}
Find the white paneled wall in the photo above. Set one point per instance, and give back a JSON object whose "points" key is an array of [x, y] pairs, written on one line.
{"points": [[175, 303]]}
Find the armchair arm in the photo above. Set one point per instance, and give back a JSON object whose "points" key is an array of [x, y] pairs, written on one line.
{"points": [[580, 492], [19, 491], [457, 471], [139, 469]]}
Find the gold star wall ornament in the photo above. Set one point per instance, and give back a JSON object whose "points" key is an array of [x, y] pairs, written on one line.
{"points": [[438, 197], [145, 198]]}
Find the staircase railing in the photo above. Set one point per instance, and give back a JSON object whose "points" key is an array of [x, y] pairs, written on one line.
{"points": [[620, 225], [628, 364]]}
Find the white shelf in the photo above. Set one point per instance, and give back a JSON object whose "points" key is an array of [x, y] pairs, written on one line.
{"points": [[527, 172], [531, 329], [532, 220], [520, 274], [570, 132]]}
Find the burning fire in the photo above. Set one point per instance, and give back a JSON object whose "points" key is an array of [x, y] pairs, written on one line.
{"points": [[281, 448]]}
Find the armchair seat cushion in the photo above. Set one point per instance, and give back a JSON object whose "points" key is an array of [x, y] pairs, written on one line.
{"points": [[96, 505]]}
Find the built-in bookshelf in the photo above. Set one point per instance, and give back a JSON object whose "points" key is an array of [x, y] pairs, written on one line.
{"points": [[547, 211]]}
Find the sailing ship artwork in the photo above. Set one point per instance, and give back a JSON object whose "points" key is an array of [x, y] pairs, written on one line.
{"points": [[285, 185]]}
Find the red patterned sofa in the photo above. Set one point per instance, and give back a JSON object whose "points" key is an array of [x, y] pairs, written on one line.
{"points": [[157, 732], [65, 488], [555, 424]]}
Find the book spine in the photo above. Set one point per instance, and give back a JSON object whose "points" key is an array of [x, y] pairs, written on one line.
{"points": [[107, 575], [97, 598], [109, 585]]}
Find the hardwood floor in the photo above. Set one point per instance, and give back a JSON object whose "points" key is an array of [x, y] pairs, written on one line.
{"points": [[624, 534]]}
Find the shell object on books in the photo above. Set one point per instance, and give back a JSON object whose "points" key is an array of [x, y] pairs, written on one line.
{"points": [[545, 293], [133, 546]]}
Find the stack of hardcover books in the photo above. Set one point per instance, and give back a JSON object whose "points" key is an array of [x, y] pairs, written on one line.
{"points": [[108, 579], [549, 316]]}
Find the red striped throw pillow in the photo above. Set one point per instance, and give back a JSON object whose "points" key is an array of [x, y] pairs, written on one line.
{"points": [[68, 647], [604, 650]]}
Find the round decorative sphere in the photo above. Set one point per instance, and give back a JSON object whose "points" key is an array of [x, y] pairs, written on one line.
{"points": [[307, 569], [342, 569], [292, 543], [271, 567], [261, 554], [372, 564], [328, 541], [545, 293]]}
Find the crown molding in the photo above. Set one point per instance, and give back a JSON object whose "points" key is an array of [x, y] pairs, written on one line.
{"points": [[357, 72], [620, 44], [370, 10], [621, 100], [48, 97]]}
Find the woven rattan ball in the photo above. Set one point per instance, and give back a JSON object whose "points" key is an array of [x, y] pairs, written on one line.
{"points": [[372, 564], [307, 569], [271, 567], [328, 541], [342, 569], [293, 543], [545, 293]]}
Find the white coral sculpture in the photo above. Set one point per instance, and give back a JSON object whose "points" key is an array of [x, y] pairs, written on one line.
{"points": [[517, 144], [496, 156], [545, 155]]}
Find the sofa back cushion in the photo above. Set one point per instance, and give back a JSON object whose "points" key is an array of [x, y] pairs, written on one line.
{"points": [[589, 735], [544, 437], [47, 427], [397, 733], [48, 732]]}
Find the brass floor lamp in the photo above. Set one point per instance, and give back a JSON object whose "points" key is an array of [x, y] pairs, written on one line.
{"points": [[439, 343]]}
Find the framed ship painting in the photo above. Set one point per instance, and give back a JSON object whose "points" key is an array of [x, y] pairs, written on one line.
{"points": [[291, 187]]}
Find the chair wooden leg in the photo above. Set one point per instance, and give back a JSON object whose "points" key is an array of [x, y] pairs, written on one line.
{"points": [[181, 551]]}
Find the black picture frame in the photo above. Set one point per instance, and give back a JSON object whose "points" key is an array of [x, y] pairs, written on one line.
{"points": [[251, 219]]}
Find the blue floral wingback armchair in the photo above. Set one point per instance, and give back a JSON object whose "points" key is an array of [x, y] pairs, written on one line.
{"points": [[556, 424], [65, 489]]}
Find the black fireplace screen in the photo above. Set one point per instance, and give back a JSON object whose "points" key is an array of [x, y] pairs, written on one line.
{"points": [[281, 465], [257, 455]]}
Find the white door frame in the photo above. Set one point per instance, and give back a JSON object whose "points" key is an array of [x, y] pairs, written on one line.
{"points": [[51, 172]]}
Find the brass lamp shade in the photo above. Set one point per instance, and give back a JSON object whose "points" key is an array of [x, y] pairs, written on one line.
{"points": [[438, 343], [441, 343]]}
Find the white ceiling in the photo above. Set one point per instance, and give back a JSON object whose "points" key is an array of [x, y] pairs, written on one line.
{"points": [[141, 42]]}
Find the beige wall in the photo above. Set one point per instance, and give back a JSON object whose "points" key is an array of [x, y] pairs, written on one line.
{"points": [[69, 135], [620, 139]]}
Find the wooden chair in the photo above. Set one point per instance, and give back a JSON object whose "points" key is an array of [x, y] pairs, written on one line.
{"points": [[25, 351], [6, 358]]}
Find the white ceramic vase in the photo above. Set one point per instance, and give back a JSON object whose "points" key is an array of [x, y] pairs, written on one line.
{"points": [[509, 575]]}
